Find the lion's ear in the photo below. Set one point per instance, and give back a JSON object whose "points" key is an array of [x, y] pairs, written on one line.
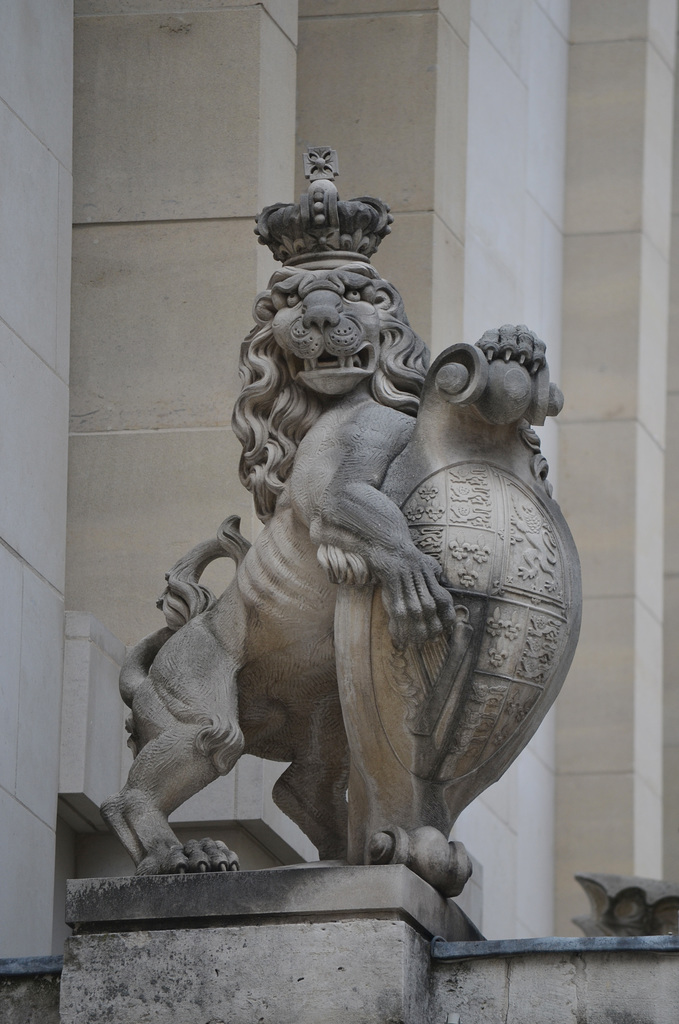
{"points": [[263, 309]]}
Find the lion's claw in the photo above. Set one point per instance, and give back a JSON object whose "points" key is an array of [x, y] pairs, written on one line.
{"points": [[196, 856], [515, 342]]}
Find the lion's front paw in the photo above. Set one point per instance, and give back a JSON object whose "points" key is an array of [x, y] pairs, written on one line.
{"points": [[197, 855], [517, 343], [419, 608]]}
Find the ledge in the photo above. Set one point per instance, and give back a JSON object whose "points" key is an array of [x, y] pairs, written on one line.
{"points": [[29, 966], [311, 892], [442, 950]]}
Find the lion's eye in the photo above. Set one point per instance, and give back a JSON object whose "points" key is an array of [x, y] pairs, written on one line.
{"points": [[352, 294], [293, 299]]}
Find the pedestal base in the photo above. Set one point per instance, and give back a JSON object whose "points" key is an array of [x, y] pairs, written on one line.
{"points": [[308, 945]]}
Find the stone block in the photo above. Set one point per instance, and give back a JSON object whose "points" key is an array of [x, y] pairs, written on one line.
{"points": [[343, 972], [26, 903], [29, 1000], [160, 160], [42, 639], [605, 136], [33, 456], [496, 187], [387, 79], [64, 252], [594, 832], [559, 11], [494, 843], [648, 702], [447, 287], [648, 828], [283, 12], [330, 8], [11, 573], [649, 461], [491, 287], [92, 718], [450, 164], [505, 27], [547, 81], [601, 326], [159, 314], [534, 846], [474, 992], [658, 146], [671, 556], [327, 889], [29, 225], [671, 811], [595, 710], [36, 74], [176, 483], [542, 283], [653, 341], [406, 260], [604, 526], [670, 660]]}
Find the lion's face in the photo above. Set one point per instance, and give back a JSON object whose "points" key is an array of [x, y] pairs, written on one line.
{"points": [[327, 323]]}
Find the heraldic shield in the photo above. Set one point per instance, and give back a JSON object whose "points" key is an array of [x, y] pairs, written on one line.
{"points": [[430, 727]]}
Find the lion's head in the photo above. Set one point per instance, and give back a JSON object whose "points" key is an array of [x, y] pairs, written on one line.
{"points": [[318, 334]]}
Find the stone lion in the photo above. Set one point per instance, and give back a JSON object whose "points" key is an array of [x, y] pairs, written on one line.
{"points": [[332, 374]]}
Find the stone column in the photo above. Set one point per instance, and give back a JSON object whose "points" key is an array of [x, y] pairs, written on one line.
{"points": [[184, 129], [35, 228], [618, 166]]}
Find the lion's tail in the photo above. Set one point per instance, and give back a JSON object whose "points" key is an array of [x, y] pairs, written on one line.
{"points": [[183, 598]]}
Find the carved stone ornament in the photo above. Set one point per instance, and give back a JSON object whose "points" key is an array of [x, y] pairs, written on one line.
{"points": [[629, 905], [407, 615]]}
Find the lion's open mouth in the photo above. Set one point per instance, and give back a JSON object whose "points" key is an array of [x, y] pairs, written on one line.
{"points": [[327, 361], [332, 374]]}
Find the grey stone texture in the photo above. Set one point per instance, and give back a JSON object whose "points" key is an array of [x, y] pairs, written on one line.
{"points": [[320, 891], [316, 961], [29, 1000]]}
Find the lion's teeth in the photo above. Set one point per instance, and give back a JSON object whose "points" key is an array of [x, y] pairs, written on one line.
{"points": [[310, 364]]}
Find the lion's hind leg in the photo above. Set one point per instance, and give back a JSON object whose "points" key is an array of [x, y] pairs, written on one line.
{"points": [[185, 724], [169, 770]]}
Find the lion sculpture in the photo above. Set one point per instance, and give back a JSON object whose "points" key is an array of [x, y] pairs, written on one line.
{"points": [[332, 378]]}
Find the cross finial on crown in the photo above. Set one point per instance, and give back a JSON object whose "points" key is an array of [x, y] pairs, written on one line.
{"points": [[320, 162]]}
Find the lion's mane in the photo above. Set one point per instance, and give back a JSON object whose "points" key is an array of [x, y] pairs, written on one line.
{"points": [[273, 412]]}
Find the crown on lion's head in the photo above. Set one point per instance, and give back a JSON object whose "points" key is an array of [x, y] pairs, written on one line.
{"points": [[276, 407]]}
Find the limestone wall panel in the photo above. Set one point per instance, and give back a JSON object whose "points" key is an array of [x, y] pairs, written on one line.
{"points": [[159, 314], [42, 644], [189, 149], [33, 453], [604, 158], [29, 229], [11, 574], [36, 71], [139, 501], [388, 90]]}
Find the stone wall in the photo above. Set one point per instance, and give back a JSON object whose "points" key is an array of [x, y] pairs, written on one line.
{"points": [[35, 266]]}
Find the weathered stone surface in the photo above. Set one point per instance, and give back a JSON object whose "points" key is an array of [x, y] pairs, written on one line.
{"points": [[29, 1000], [306, 972], [560, 987], [307, 891]]}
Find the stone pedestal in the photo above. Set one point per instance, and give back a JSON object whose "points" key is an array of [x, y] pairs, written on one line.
{"points": [[307, 945]]}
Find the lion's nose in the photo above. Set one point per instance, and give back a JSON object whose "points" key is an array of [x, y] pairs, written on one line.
{"points": [[321, 310]]}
